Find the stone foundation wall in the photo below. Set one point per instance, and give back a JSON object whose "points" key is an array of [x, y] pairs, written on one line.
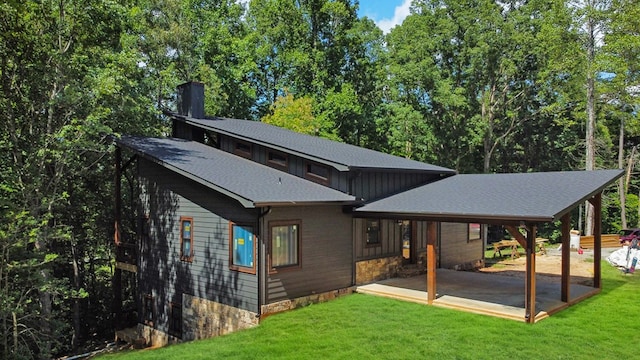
{"points": [[368, 271], [286, 305], [154, 337], [203, 318]]}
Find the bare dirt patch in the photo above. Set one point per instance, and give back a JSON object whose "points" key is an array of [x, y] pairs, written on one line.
{"points": [[548, 267]]}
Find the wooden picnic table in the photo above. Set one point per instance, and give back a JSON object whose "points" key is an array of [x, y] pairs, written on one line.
{"points": [[503, 244], [540, 245], [513, 244]]}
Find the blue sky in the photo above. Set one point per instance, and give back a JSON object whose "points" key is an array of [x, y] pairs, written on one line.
{"points": [[385, 13]]}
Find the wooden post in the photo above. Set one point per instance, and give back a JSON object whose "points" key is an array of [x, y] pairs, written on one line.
{"points": [[431, 261], [596, 201], [566, 258], [516, 235], [530, 282], [117, 274]]}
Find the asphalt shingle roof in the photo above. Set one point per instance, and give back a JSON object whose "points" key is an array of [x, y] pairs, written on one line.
{"points": [[536, 197], [342, 156], [251, 183]]}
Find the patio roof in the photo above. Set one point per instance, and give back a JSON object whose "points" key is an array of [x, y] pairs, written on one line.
{"points": [[495, 198]]}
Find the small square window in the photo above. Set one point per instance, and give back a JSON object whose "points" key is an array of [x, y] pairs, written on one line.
{"points": [[186, 239], [317, 173], [242, 149], [373, 232], [278, 160]]}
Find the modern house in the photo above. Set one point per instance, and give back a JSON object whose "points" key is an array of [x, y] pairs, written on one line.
{"points": [[238, 219]]}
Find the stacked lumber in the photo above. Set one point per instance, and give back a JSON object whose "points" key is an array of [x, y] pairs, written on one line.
{"points": [[608, 241]]}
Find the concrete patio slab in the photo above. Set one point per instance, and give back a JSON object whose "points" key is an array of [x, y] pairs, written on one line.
{"points": [[481, 293]]}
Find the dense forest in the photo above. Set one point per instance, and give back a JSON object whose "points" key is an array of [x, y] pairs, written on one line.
{"points": [[477, 86]]}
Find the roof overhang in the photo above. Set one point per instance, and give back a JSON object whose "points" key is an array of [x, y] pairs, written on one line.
{"points": [[311, 148], [199, 123], [250, 183], [495, 198]]}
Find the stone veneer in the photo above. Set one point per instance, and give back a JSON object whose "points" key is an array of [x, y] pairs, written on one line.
{"points": [[154, 337], [203, 318], [286, 305], [368, 271]]}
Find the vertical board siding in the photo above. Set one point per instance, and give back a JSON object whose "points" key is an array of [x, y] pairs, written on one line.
{"points": [[166, 197], [297, 165], [326, 252], [390, 240], [371, 185], [455, 249]]}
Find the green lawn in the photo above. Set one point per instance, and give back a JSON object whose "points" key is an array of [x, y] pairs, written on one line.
{"points": [[368, 327]]}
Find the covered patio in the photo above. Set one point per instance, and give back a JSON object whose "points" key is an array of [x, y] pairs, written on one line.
{"points": [[480, 293], [516, 201]]}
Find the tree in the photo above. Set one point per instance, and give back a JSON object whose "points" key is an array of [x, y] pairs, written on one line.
{"points": [[589, 16], [66, 84], [619, 61], [311, 48], [179, 41], [296, 115]]}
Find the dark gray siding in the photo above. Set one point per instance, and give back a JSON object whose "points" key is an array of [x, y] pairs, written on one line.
{"points": [[367, 185], [390, 240], [374, 185], [455, 247], [326, 252], [166, 197], [296, 164]]}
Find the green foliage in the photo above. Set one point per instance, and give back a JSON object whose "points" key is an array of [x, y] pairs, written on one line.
{"points": [[296, 115], [472, 85]]}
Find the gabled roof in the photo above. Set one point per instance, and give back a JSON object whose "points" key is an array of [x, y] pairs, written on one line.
{"points": [[251, 183], [343, 157], [495, 198]]}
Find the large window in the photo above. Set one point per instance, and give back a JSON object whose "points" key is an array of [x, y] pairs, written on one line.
{"points": [[285, 244], [242, 248], [475, 232], [372, 229], [186, 239]]}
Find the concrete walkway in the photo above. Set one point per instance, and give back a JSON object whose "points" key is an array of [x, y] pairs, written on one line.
{"points": [[482, 293]]}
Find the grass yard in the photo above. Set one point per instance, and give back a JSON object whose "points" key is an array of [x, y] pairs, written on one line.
{"points": [[368, 327]]}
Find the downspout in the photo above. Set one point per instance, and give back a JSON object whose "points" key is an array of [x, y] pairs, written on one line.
{"points": [[261, 263]]}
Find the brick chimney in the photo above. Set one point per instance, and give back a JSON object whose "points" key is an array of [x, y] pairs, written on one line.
{"points": [[191, 99]]}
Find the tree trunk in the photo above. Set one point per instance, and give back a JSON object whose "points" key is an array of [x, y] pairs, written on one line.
{"points": [[76, 301], [46, 307], [591, 116], [621, 188]]}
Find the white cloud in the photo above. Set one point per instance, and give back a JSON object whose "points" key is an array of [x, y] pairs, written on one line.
{"points": [[399, 14]]}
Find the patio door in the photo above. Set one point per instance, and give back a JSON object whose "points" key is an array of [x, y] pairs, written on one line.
{"points": [[408, 241]]}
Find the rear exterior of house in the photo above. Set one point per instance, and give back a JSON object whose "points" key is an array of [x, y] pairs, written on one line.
{"points": [[240, 219]]}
